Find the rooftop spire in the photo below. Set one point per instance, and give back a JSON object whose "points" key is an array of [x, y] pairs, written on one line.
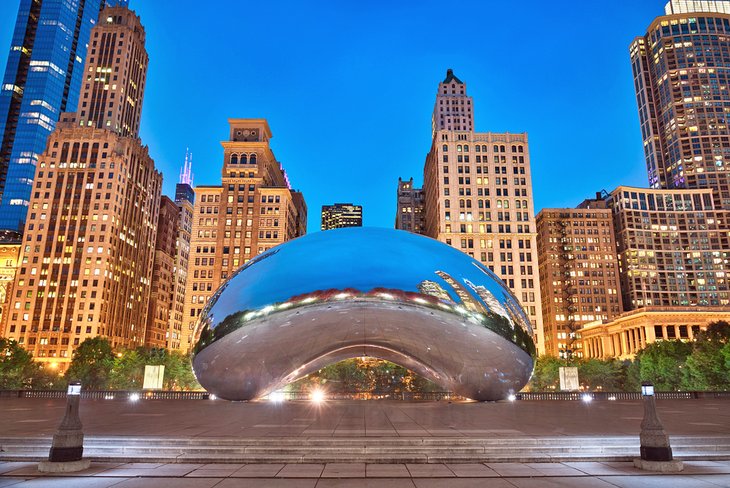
{"points": [[186, 172], [451, 77]]}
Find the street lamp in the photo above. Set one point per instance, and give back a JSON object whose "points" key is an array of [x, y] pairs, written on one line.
{"points": [[67, 449], [656, 452]]}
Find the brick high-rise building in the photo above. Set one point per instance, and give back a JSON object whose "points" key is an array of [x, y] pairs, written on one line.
{"points": [[478, 196], [252, 210], [341, 215], [42, 79], [88, 248], [579, 278], [409, 212], [162, 288]]}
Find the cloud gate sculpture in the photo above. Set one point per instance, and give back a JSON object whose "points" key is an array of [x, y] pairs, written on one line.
{"points": [[355, 292]]}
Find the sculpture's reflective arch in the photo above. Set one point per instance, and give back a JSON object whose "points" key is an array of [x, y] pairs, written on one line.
{"points": [[354, 292]]}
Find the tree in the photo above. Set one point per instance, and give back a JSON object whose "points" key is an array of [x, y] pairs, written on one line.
{"points": [[662, 363], [716, 332], [179, 372], [546, 373], [16, 366], [607, 375], [706, 368], [127, 372], [92, 364]]}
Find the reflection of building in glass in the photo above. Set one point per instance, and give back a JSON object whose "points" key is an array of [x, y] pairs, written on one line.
{"points": [[42, 79], [477, 193], [489, 299], [251, 211], [428, 287], [467, 300], [10, 245], [340, 215], [409, 214]]}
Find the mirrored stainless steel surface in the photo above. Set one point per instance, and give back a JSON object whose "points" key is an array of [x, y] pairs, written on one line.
{"points": [[356, 292]]}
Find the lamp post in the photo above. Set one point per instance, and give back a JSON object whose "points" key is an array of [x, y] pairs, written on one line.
{"points": [[656, 452], [67, 449]]}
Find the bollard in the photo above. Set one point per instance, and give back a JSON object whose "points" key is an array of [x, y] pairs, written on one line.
{"points": [[656, 452], [67, 449]]}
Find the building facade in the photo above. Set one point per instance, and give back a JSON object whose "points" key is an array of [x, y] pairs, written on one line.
{"points": [[478, 196], [409, 213], [625, 335], [254, 209], [162, 288], [10, 246], [579, 278], [185, 201], [681, 70], [671, 248], [42, 79], [88, 247], [340, 215]]}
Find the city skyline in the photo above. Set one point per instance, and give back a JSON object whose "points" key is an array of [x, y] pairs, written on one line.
{"points": [[306, 106]]}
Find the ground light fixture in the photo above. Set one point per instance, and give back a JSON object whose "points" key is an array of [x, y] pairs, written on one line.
{"points": [[512, 397], [586, 397], [317, 396], [134, 397], [276, 396]]}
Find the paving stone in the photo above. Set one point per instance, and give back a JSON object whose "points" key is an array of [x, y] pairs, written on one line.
{"points": [[301, 471], [258, 471], [658, 481], [387, 471], [472, 471], [429, 471], [267, 483], [344, 470]]}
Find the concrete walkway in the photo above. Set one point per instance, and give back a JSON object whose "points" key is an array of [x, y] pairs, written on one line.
{"points": [[697, 474], [218, 418]]}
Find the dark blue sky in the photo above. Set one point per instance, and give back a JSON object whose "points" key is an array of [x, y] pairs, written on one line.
{"points": [[348, 88]]}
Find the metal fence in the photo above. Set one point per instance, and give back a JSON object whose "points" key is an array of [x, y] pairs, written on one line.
{"points": [[360, 395]]}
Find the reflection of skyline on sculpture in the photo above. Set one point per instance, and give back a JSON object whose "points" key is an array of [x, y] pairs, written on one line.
{"points": [[363, 292]]}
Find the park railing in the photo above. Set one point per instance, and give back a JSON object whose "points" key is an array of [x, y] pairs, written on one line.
{"points": [[367, 395]]}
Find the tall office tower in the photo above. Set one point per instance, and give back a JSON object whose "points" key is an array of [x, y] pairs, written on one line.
{"points": [[88, 248], [409, 213], [454, 110], [478, 198], [42, 80], [670, 246], [162, 288], [185, 200], [579, 279], [681, 72], [340, 215], [252, 210]]}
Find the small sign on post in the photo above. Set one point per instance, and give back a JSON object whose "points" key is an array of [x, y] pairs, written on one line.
{"points": [[153, 377], [568, 378]]}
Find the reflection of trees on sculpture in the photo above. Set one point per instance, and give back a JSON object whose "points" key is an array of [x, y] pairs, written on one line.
{"points": [[370, 375]]}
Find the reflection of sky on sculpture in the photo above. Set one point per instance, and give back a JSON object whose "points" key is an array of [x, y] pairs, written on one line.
{"points": [[357, 258]]}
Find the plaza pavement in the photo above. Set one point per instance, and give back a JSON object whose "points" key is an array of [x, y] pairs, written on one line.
{"points": [[35, 418], [697, 474]]}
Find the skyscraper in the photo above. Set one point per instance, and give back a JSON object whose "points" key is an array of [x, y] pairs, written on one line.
{"points": [[478, 195], [340, 215], [681, 72], [252, 210], [42, 80], [409, 212], [89, 241]]}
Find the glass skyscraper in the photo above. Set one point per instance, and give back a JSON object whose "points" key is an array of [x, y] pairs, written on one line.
{"points": [[42, 78]]}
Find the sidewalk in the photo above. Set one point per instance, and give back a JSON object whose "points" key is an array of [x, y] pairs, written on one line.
{"points": [[697, 474]]}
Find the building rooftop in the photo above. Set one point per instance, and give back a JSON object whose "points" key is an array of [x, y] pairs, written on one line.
{"points": [[451, 77], [694, 6]]}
